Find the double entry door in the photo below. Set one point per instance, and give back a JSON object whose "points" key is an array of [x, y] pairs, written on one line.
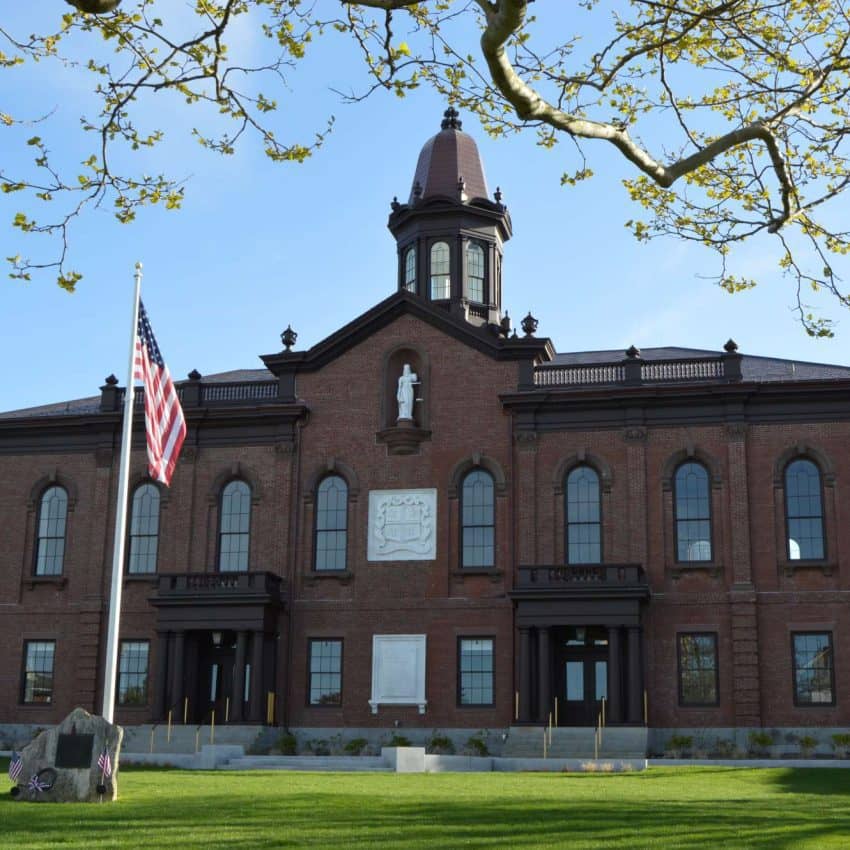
{"points": [[581, 675]]}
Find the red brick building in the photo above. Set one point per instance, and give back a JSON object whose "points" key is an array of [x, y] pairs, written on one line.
{"points": [[430, 519]]}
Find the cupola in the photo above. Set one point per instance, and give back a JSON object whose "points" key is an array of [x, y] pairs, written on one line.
{"points": [[450, 234]]}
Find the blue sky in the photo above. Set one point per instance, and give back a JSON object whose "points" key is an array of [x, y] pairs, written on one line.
{"points": [[259, 246]]}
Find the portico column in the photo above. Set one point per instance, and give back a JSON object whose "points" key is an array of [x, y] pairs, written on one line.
{"points": [[524, 675], [161, 683], [615, 676], [238, 696], [178, 691], [544, 675], [635, 689], [255, 704]]}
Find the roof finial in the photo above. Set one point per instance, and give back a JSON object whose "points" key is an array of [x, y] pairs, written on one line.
{"points": [[451, 120]]}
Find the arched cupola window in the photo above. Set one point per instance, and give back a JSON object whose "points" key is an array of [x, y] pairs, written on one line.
{"points": [[478, 519], [692, 500], [331, 524], [50, 545], [804, 511], [441, 281], [234, 527], [584, 517], [144, 530], [475, 272], [410, 269]]}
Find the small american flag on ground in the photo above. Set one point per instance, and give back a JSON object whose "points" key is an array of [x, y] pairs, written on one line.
{"points": [[165, 426], [105, 763], [16, 765]]}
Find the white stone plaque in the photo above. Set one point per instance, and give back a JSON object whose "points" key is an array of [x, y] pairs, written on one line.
{"points": [[398, 671], [402, 525]]}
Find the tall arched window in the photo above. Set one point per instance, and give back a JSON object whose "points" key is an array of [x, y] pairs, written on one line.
{"points": [[475, 272], [50, 546], [584, 522], [478, 520], [693, 512], [804, 511], [144, 530], [410, 269], [441, 281], [234, 527], [331, 523]]}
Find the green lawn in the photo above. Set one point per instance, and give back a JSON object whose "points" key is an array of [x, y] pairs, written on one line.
{"points": [[781, 809]]}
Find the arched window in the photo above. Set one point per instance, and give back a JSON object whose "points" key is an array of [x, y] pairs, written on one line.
{"points": [[234, 527], [584, 524], [144, 530], [410, 270], [478, 519], [475, 272], [50, 547], [804, 511], [441, 282], [331, 523], [693, 512]]}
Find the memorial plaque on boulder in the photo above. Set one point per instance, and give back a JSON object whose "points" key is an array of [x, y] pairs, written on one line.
{"points": [[75, 762]]}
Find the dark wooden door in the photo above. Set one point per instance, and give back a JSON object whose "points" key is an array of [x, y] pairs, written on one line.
{"points": [[582, 685], [215, 682]]}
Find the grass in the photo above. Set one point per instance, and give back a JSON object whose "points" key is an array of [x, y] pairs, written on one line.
{"points": [[780, 809]]}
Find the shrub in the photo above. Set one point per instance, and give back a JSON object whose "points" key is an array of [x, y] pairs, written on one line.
{"points": [[399, 741], [441, 744], [356, 746], [841, 744], [476, 745], [319, 747], [759, 742], [680, 744], [807, 745], [286, 743], [724, 748]]}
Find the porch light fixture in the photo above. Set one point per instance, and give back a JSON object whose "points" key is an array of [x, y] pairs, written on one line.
{"points": [[216, 638]]}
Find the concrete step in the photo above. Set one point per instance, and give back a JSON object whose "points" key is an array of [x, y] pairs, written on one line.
{"points": [[186, 739], [373, 764], [576, 742]]}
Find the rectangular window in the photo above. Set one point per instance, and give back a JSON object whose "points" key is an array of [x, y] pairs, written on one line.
{"points": [[698, 668], [133, 673], [38, 671], [811, 655], [475, 671], [325, 664]]}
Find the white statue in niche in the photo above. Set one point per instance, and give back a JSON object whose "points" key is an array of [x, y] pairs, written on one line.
{"points": [[405, 395]]}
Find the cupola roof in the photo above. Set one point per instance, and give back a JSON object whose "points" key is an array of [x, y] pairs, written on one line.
{"points": [[447, 159]]}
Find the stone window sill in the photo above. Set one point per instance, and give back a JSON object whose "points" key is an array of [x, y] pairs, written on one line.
{"points": [[710, 568], [59, 581], [788, 568], [342, 576], [493, 574]]}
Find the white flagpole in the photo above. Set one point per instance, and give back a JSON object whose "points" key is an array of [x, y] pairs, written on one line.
{"points": [[121, 520]]}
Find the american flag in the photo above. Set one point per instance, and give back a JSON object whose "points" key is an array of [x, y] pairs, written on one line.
{"points": [[105, 763], [164, 423], [16, 765]]}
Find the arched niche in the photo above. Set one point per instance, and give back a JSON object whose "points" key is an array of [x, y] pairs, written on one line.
{"points": [[393, 366]]}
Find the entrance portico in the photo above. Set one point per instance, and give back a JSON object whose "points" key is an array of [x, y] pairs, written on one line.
{"points": [[579, 642]]}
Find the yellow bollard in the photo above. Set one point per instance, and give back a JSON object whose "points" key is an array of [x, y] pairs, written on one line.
{"points": [[550, 728], [168, 738], [197, 739], [152, 732], [556, 711], [185, 710], [645, 710], [544, 744], [212, 728], [227, 710], [603, 712], [516, 705]]}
